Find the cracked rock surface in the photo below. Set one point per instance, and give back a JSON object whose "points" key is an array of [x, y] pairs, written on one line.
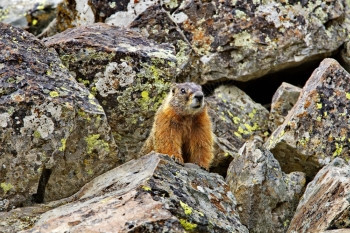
{"points": [[54, 135], [224, 39], [325, 203], [127, 73], [151, 194], [317, 128], [266, 196]]}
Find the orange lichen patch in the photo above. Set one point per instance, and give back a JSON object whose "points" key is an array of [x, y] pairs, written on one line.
{"points": [[307, 104], [18, 98], [214, 200], [303, 114], [115, 84], [199, 35], [210, 22]]}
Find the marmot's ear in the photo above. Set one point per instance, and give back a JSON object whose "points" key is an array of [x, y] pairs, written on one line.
{"points": [[173, 87]]}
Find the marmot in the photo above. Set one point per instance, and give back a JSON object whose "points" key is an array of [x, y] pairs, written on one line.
{"points": [[182, 127]]}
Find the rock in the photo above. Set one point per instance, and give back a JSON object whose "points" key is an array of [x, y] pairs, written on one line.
{"points": [[20, 218], [317, 128], [266, 196], [236, 118], [282, 101], [54, 135], [238, 40], [151, 194], [129, 75], [345, 56], [33, 15], [325, 203]]}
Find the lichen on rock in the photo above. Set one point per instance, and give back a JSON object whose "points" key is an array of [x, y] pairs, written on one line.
{"points": [[266, 196], [44, 116], [236, 118], [151, 194], [127, 73], [316, 130]]}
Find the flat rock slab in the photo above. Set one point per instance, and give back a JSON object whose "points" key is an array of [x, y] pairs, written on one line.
{"points": [[317, 128], [325, 204], [215, 40], [127, 73], [266, 196], [54, 135], [236, 118], [151, 194]]}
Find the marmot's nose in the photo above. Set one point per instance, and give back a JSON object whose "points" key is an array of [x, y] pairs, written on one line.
{"points": [[199, 96]]}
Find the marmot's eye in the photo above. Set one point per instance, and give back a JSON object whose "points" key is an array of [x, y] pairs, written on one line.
{"points": [[183, 91]]}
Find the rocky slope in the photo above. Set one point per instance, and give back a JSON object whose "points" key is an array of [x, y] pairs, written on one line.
{"points": [[76, 107]]}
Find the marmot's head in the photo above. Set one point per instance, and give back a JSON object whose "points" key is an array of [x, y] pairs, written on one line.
{"points": [[186, 98]]}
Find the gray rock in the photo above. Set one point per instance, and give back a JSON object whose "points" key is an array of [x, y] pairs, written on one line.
{"points": [[127, 73], [54, 135], [236, 118], [215, 40], [151, 194], [325, 203], [266, 196], [282, 101], [32, 15], [239, 40], [317, 128]]}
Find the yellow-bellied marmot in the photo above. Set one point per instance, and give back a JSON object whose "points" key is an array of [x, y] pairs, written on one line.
{"points": [[182, 127]]}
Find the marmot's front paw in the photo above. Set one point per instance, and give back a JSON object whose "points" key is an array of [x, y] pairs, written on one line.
{"points": [[178, 159]]}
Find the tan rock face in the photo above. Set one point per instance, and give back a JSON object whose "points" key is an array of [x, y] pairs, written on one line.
{"points": [[317, 128], [325, 203], [127, 73], [152, 194], [282, 101], [54, 135], [266, 196], [236, 118], [215, 40]]}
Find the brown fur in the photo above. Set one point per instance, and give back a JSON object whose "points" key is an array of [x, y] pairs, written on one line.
{"points": [[182, 127]]}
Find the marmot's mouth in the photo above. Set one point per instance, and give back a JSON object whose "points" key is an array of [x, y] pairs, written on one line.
{"points": [[197, 106]]}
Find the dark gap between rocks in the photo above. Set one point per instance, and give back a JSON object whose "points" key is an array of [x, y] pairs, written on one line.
{"points": [[262, 89], [44, 178]]}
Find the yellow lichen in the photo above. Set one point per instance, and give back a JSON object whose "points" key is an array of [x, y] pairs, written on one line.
{"points": [[187, 209], [188, 226], [54, 94], [348, 95], [237, 134], [36, 134], [63, 142], [236, 120], [94, 142], [146, 188], [145, 95], [338, 150], [252, 114], [6, 187], [319, 105]]}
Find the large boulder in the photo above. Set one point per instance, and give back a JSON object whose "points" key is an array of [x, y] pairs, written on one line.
{"points": [[239, 40], [127, 73], [325, 204], [282, 102], [54, 135], [266, 196], [236, 118], [151, 194], [317, 128]]}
